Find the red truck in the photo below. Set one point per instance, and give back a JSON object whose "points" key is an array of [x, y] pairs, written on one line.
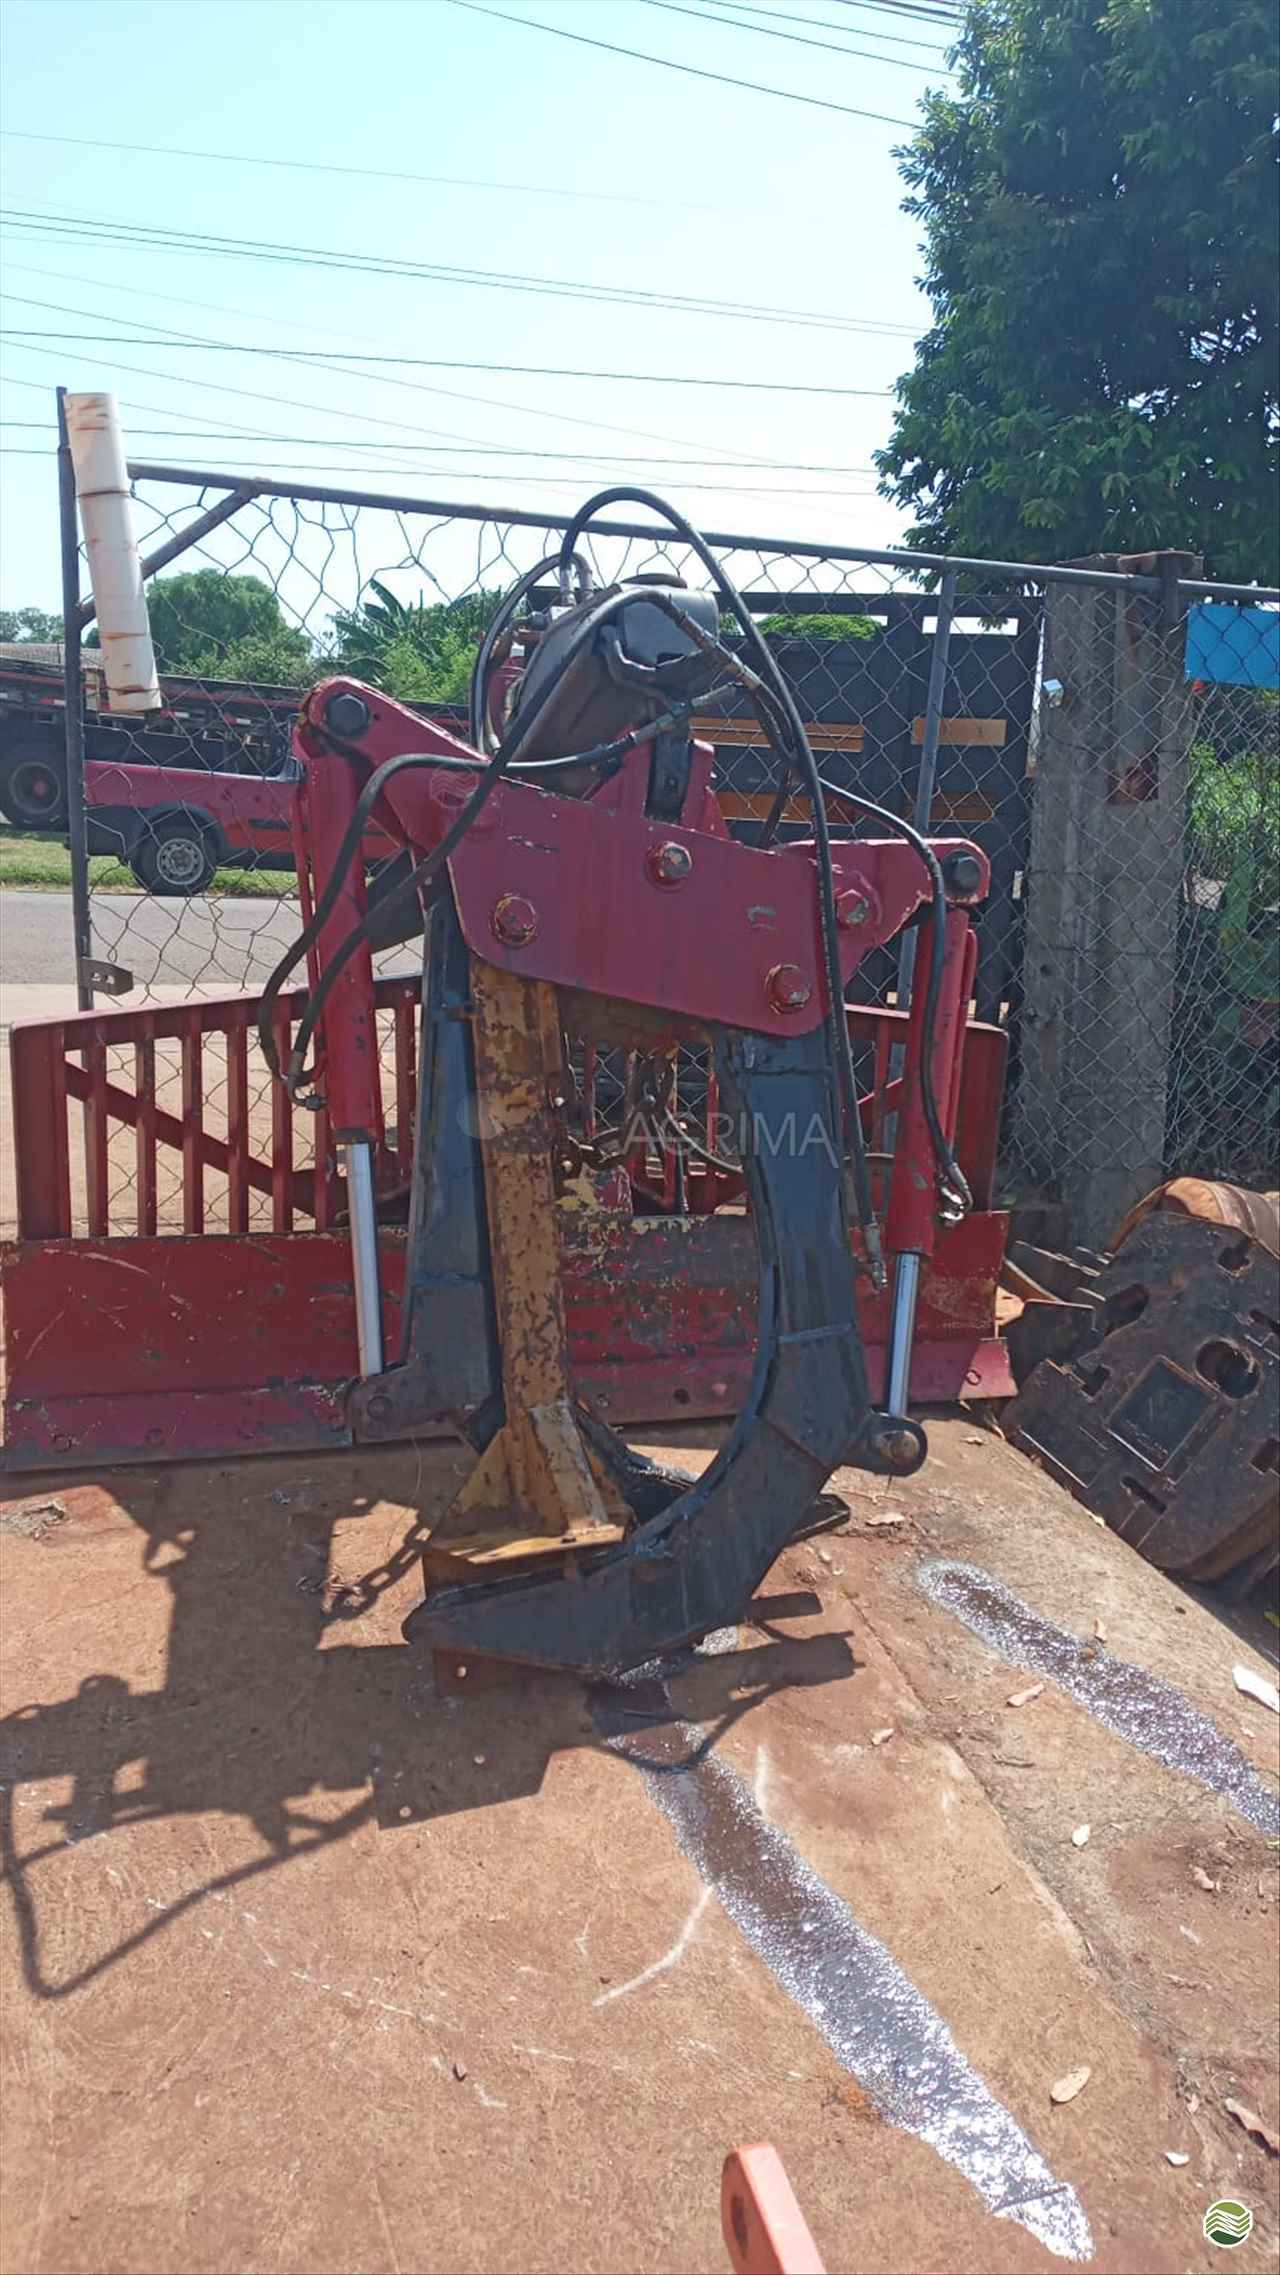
{"points": [[178, 793], [177, 826], [208, 725]]}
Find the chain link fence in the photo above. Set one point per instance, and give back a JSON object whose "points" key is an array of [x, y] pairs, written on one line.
{"points": [[1129, 811]]}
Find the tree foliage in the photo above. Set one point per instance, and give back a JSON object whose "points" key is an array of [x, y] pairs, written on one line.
{"points": [[421, 651], [29, 624], [1099, 208], [821, 628], [223, 627]]}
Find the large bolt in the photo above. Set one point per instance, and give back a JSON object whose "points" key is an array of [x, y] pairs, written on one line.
{"points": [[898, 1446], [514, 921], [962, 875], [347, 714], [789, 990], [670, 863], [852, 908]]}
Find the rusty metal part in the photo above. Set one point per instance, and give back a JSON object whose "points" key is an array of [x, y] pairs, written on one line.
{"points": [[1257, 1214], [789, 990], [537, 1471], [696, 1549], [1167, 1425], [515, 920], [661, 1315], [669, 863]]}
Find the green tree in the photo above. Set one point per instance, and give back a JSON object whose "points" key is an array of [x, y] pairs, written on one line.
{"points": [[822, 628], [26, 624], [222, 627], [1099, 209], [421, 651]]}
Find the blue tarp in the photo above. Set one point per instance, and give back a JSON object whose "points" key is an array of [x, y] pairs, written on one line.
{"points": [[1239, 647]]}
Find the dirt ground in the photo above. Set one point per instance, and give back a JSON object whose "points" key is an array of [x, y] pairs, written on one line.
{"points": [[308, 1968]]}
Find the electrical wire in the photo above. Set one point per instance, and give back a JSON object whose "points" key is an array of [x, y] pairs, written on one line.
{"points": [[412, 386], [666, 63], [59, 222], [362, 173], [788, 16], [472, 449], [795, 39], [445, 363], [949, 20], [477, 474]]}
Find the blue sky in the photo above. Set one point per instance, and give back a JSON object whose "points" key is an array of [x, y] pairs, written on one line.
{"points": [[692, 188]]}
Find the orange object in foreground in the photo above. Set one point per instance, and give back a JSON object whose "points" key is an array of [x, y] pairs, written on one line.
{"points": [[764, 2228]]}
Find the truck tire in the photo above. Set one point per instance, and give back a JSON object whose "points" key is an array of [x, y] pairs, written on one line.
{"points": [[33, 792], [175, 855]]}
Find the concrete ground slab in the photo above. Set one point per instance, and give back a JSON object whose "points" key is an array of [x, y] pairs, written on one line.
{"points": [[308, 1968]]}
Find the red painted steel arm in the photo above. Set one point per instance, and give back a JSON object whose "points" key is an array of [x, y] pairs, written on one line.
{"points": [[335, 773], [912, 1219], [589, 893]]}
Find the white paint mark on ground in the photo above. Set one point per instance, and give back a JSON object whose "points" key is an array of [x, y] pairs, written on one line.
{"points": [[879, 2026], [669, 1959]]}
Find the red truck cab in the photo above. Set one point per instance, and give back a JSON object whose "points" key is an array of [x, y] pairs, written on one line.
{"points": [[177, 826]]}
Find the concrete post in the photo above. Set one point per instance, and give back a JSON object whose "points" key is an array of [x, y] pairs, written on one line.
{"points": [[1104, 885]]}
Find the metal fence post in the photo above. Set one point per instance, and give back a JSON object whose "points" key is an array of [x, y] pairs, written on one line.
{"points": [[927, 775], [1104, 885], [906, 1281], [81, 920]]}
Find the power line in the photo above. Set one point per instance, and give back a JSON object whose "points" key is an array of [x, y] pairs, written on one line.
{"points": [[145, 234], [819, 24], [905, 10], [414, 386], [473, 474], [665, 63], [443, 363], [365, 173], [796, 39], [479, 449], [161, 410]]}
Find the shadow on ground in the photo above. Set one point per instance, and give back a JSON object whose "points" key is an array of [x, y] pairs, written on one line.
{"points": [[284, 1689]]}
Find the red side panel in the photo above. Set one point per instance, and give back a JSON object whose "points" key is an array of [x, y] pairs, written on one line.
{"points": [[168, 1349]]}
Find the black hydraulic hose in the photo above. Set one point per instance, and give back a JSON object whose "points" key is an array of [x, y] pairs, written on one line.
{"points": [[324, 907], [420, 877], [950, 1174], [953, 1187], [477, 693], [837, 1025], [783, 726]]}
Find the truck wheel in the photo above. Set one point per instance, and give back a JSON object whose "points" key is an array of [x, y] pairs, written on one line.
{"points": [[174, 857], [33, 794]]}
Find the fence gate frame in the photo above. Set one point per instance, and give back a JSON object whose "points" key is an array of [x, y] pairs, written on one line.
{"points": [[1090, 1015]]}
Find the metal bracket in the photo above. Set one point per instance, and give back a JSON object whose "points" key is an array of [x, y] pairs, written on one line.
{"points": [[106, 979]]}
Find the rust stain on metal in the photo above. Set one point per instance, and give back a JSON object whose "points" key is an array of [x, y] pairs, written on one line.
{"points": [[537, 1488]]}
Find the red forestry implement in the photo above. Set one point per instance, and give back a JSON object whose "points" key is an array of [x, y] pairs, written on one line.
{"points": [[439, 1184]]}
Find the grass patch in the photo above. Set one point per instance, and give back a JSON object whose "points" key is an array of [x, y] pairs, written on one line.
{"points": [[43, 864]]}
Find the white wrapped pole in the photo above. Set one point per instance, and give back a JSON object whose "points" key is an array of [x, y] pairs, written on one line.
{"points": [[115, 570]]}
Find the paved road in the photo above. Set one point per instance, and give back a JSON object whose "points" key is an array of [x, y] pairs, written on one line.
{"points": [[172, 947]]}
